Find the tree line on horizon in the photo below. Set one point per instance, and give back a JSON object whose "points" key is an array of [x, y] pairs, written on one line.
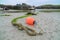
{"points": [[25, 6], [48, 6], [22, 6]]}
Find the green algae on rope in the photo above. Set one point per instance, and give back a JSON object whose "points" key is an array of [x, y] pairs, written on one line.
{"points": [[21, 27], [15, 19]]}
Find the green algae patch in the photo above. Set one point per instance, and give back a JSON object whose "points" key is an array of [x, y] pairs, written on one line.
{"points": [[5, 15], [50, 10], [29, 13]]}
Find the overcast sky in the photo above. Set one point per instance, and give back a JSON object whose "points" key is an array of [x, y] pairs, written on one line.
{"points": [[30, 2]]}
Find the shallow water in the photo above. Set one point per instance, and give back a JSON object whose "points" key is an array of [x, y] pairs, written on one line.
{"points": [[49, 22]]}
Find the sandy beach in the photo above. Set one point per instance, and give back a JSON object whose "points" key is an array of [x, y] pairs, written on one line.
{"points": [[49, 22]]}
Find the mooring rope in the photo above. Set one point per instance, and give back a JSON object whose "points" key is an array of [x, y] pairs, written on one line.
{"points": [[28, 30]]}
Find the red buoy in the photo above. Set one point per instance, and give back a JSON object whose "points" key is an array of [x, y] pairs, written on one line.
{"points": [[30, 21]]}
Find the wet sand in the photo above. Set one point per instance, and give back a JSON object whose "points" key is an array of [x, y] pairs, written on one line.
{"points": [[49, 22]]}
